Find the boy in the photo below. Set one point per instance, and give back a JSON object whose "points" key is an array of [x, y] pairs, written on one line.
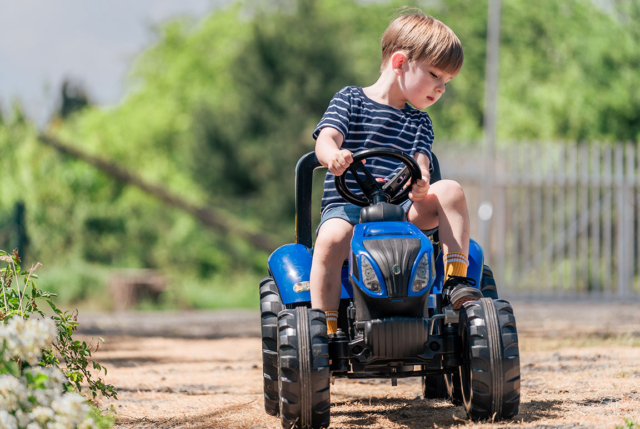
{"points": [[419, 56]]}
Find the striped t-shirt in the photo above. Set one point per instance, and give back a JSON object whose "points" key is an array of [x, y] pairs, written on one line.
{"points": [[366, 124]]}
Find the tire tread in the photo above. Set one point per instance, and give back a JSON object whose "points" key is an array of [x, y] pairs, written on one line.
{"points": [[495, 360], [306, 399], [270, 306]]}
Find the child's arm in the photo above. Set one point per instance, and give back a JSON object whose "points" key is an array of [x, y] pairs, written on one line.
{"points": [[328, 151], [421, 187]]}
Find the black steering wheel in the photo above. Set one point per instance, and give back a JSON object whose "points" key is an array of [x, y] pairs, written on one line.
{"points": [[374, 192]]}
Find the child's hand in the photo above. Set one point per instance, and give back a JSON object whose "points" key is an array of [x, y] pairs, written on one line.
{"points": [[420, 189], [341, 160]]}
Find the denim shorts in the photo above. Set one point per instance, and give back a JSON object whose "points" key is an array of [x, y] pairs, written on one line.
{"points": [[351, 213]]}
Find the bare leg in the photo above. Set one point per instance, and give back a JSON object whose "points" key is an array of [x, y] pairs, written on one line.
{"points": [[445, 206], [331, 249]]}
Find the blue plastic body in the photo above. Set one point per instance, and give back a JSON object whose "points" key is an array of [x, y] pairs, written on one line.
{"points": [[290, 265]]}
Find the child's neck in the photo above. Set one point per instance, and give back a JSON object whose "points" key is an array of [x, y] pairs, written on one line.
{"points": [[386, 91]]}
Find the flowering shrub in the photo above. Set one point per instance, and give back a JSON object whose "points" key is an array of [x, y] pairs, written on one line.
{"points": [[42, 368], [36, 398], [25, 340]]}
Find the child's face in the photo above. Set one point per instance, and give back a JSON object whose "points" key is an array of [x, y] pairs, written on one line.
{"points": [[423, 84]]}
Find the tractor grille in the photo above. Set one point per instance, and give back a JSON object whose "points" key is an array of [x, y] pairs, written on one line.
{"points": [[395, 257]]}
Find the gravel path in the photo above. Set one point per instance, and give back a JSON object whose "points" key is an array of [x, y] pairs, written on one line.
{"points": [[580, 368]]}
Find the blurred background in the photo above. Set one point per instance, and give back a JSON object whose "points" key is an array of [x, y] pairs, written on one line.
{"points": [[150, 146]]}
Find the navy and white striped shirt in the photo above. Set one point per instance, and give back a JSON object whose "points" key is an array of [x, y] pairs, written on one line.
{"points": [[366, 124]]}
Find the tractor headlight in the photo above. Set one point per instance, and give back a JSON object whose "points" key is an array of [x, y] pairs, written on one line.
{"points": [[369, 276], [421, 279]]}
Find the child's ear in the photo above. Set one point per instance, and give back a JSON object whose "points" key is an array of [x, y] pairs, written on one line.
{"points": [[398, 61]]}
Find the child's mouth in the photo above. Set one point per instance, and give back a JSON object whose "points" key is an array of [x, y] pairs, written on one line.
{"points": [[430, 98]]}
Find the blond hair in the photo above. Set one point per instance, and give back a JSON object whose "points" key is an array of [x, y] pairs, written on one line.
{"points": [[422, 37]]}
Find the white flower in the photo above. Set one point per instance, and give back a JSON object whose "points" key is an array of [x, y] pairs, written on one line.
{"points": [[26, 338], [87, 424], [7, 421], [42, 414], [46, 406], [24, 418], [43, 397], [52, 386], [71, 409], [12, 393]]}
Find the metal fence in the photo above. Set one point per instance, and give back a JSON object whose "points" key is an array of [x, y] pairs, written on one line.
{"points": [[565, 216]]}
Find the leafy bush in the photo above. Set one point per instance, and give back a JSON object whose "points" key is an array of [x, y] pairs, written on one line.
{"points": [[42, 368]]}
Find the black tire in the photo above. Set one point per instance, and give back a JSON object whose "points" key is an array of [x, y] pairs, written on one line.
{"points": [[434, 387], [304, 375], [490, 370], [454, 391], [270, 306], [488, 283]]}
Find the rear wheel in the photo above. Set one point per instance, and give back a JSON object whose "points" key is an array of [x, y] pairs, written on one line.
{"points": [[270, 306], [490, 370], [304, 375], [454, 389], [488, 283], [434, 387]]}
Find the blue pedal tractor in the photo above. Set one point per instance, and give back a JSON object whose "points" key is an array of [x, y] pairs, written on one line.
{"points": [[392, 321]]}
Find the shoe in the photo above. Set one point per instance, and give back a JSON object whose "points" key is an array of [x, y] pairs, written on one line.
{"points": [[457, 290]]}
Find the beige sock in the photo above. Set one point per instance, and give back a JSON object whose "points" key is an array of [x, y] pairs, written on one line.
{"points": [[455, 264], [332, 321]]}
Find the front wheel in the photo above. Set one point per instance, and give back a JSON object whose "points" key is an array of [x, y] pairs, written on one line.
{"points": [[490, 370], [303, 364]]}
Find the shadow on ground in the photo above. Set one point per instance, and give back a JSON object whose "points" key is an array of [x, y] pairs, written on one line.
{"points": [[419, 413]]}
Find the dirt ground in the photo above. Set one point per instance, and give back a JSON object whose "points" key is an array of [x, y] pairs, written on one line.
{"points": [[580, 368]]}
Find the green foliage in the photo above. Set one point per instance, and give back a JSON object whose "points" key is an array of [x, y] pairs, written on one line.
{"points": [[76, 356], [220, 110], [20, 297], [103, 420], [628, 424], [568, 71]]}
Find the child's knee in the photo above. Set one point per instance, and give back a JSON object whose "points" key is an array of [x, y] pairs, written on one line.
{"points": [[449, 189], [334, 233]]}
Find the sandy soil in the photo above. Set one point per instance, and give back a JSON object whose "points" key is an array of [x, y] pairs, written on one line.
{"points": [[580, 368]]}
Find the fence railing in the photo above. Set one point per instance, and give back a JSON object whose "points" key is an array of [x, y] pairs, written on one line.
{"points": [[565, 216]]}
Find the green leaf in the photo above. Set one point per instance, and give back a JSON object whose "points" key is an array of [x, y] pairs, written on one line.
{"points": [[53, 307], [38, 381], [12, 368]]}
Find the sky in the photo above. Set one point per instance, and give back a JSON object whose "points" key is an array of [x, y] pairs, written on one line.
{"points": [[42, 42]]}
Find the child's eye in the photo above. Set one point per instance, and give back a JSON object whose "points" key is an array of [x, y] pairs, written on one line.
{"points": [[434, 75]]}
